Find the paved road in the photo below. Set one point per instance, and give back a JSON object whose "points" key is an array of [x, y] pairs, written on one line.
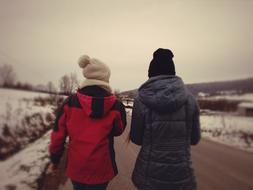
{"points": [[218, 167]]}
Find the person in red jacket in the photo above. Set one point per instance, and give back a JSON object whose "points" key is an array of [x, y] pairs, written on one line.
{"points": [[90, 118]]}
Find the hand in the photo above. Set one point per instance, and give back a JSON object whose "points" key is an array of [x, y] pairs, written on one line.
{"points": [[52, 169]]}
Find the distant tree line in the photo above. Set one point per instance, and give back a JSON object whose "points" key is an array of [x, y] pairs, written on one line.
{"points": [[68, 83], [219, 104]]}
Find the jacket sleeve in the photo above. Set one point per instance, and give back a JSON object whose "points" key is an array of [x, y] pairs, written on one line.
{"points": [[195, 132], [120, 122], [137, 123], [59, 134]]}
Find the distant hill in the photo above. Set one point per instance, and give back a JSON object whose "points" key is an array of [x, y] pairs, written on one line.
{"points": [[213, 88]]}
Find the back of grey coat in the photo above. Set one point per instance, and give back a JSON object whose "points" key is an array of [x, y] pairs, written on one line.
{"points": [[165, 122]]}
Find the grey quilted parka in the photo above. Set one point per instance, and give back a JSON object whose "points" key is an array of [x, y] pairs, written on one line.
{"points": [[165, 122]]}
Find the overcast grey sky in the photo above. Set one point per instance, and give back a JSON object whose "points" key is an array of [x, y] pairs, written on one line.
{"points": [[211, 40]]}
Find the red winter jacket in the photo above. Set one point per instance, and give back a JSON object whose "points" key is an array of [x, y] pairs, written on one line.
{"points": [[91, 118]]}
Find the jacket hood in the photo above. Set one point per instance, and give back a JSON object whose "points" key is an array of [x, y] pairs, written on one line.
{"points": [[96, 107], [163, 93]]}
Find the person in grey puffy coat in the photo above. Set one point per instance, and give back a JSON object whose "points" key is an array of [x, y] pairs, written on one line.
{"points": [[165, 123]]}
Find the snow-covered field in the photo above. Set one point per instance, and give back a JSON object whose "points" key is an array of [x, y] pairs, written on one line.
{"points": [[18, 99], [16, 104], [21, 171], [22, 119], [229, 129]]}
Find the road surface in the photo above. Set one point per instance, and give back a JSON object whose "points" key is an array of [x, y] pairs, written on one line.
{"points": [[217, 166]]}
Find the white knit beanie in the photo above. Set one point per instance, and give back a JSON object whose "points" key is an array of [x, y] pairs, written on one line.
{"points": [[95, 71]]}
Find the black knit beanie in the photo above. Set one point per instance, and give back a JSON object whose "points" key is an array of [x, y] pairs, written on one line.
{"points": [[162, 63]]}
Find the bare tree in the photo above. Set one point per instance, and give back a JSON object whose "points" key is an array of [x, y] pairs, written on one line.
{"points": [[7, 75], [73, 82], [65, 84], [51, 87], [68, 83]]}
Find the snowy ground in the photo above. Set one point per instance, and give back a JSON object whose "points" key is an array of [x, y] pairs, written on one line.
{"points": [[22, 170], [228, 129], [16, 104], [22, 119], [17, 98]]}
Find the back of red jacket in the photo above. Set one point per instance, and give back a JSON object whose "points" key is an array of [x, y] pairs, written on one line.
{"points": [[91, 118]]}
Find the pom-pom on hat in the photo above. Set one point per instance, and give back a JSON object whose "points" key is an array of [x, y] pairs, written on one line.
{"points": [[162, 63], [95, 71]]}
